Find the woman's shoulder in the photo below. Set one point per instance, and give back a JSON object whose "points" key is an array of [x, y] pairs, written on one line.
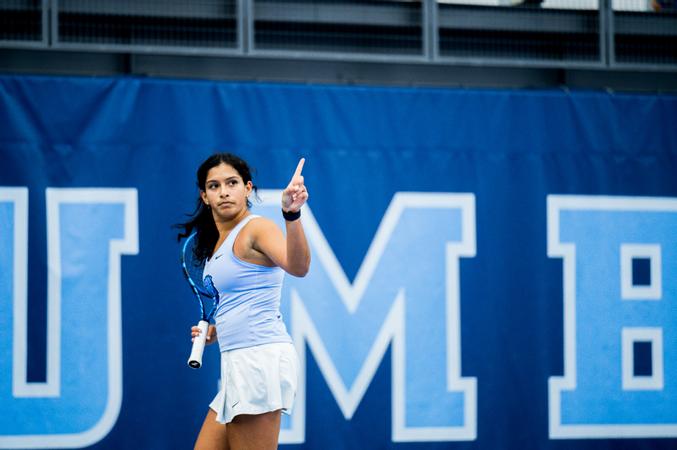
{"points": [[261, 234], [259, 221], [259, 224]]}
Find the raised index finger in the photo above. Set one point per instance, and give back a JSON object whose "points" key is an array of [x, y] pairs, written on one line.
{"points": [[299, 168]]}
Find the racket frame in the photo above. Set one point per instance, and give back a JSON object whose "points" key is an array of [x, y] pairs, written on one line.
{"points": [[199, 342]]}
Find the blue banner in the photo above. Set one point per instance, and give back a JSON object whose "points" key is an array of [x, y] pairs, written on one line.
{"points": [[491, 269]]}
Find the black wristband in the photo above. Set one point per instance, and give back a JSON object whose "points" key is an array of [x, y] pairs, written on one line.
{"points": [[291, 216]]}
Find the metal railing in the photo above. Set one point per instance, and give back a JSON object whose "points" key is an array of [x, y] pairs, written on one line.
{"points": [[543, 33]]}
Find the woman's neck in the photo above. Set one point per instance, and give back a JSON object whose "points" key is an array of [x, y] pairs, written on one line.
{"points": [[226, 226]]}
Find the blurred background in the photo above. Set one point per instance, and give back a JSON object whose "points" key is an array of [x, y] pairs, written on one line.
{"points": [[492, 216], [618, 44]]}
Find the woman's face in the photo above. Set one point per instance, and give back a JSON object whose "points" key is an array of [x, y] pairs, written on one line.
{"points": [[225, 192]]}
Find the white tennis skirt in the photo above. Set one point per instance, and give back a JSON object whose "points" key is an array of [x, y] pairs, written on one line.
{"points": [[256, 380]]}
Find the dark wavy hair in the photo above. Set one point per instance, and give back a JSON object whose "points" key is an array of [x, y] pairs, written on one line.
{"points": [[201, 220]]}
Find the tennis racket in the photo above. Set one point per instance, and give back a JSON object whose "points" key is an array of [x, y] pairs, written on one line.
{"points": [[206, 294]]}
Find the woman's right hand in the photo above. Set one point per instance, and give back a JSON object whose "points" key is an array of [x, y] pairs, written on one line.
{"points": [[211, 334]]}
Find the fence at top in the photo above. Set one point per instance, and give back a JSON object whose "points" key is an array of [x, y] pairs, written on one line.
{"points": [[547, 33]]}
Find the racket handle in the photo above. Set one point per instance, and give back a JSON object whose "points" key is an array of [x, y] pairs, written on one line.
{"points": [[195, 360]]}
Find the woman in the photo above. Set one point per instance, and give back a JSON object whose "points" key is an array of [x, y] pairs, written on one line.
{"points": [[247, 255]]}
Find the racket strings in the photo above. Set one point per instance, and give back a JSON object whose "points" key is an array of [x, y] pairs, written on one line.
{"points": [[203, 287]]}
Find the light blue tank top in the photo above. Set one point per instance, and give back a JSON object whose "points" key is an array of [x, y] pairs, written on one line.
{"points": [[249, 308]]}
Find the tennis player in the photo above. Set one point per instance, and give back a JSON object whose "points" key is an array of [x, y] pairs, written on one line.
{"points": [[247, 255]]}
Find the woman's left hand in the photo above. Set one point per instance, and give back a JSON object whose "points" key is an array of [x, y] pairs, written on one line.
{"points": [[296, 194]]}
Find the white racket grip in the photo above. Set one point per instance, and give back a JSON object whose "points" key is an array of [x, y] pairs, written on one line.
{"points": [[195, 360]]}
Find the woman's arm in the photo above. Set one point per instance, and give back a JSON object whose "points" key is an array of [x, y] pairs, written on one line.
{"points": [[291, 254], [298, 252]]}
